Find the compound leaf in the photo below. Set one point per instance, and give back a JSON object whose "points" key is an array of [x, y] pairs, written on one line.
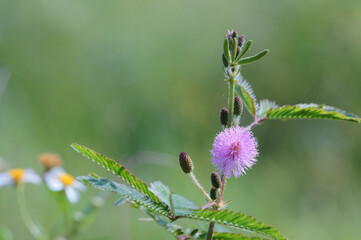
{"points": [[235, 219], [116, 169], [310, 111], [126, 192]]}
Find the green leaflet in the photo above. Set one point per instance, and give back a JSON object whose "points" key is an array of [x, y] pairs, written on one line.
{"points": [[254, 58], [120, 201], [245, 91], [264, 106], [179, 203], [125, 191], [310, 111], [116, 169], [235, 219], [227, 236]]}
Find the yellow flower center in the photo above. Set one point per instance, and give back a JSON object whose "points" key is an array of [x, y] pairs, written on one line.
{"points": [[66, 179], [17, 174]]}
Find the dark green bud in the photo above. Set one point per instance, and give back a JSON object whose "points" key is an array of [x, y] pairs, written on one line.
{"points": [[185, 162], [213, 194], [224, 116], [238, 107], [216, 180]]}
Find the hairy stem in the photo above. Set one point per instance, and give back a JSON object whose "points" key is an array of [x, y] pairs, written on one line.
{"points": [[194, 179], [230, 100]]}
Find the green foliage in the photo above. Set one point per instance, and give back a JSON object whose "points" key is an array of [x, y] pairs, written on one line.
{"points": [[235, 219], [245, 91], [125, 192], [227, 236], [168, 202], [116, 169], [270, 110], [244, 49], [163, 193], [310, 111], [254, 58]]}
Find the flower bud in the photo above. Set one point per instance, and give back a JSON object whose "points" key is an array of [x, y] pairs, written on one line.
{"points": [[185, 162], [216, 180], [234, 34], [224, 116], [241, 40], [214, 193], [238, 107], [50, 160]]}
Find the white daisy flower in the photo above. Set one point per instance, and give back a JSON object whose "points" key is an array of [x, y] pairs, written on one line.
{"points": [[19, 175], [58, 180]]}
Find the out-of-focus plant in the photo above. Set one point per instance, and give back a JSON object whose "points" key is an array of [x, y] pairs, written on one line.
{"points": [[58, 220], [234, 152]]}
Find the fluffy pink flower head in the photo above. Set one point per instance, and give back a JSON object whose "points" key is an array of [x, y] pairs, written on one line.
{"points": [[234, 149]]}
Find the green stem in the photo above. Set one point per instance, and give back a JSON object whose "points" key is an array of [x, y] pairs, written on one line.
{"points": [[33, 229], [231, 99]]}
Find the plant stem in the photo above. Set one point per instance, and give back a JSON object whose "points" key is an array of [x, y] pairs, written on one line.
{"points": [[35, 232], [210, 231], [229, 124], [230, 100], [255, 123], [200, 187], [222, 190]]}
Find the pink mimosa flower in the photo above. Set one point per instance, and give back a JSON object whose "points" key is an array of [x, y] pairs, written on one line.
{"points": [[234, 150]]}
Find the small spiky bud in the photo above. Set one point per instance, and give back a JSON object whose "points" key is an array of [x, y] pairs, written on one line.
{"points": [[237, 106], [185, 162], [224, 116], [241, 40], [214, 193], [216, 180]]}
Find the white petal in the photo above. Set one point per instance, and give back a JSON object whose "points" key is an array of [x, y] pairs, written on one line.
{"points": [[79, 186], [5, 179], [56, 171], [31, 177], [72, 194], [53, 182]]}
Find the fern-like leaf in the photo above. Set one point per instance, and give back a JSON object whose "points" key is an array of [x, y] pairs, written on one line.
{"points": [[235, 219], [126, 192], [264, 106], [227, 236], [246, 93], [310, 111], [116, 169]]}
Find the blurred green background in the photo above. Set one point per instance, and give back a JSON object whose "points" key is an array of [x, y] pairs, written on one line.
{"points": [[141, 81]]}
